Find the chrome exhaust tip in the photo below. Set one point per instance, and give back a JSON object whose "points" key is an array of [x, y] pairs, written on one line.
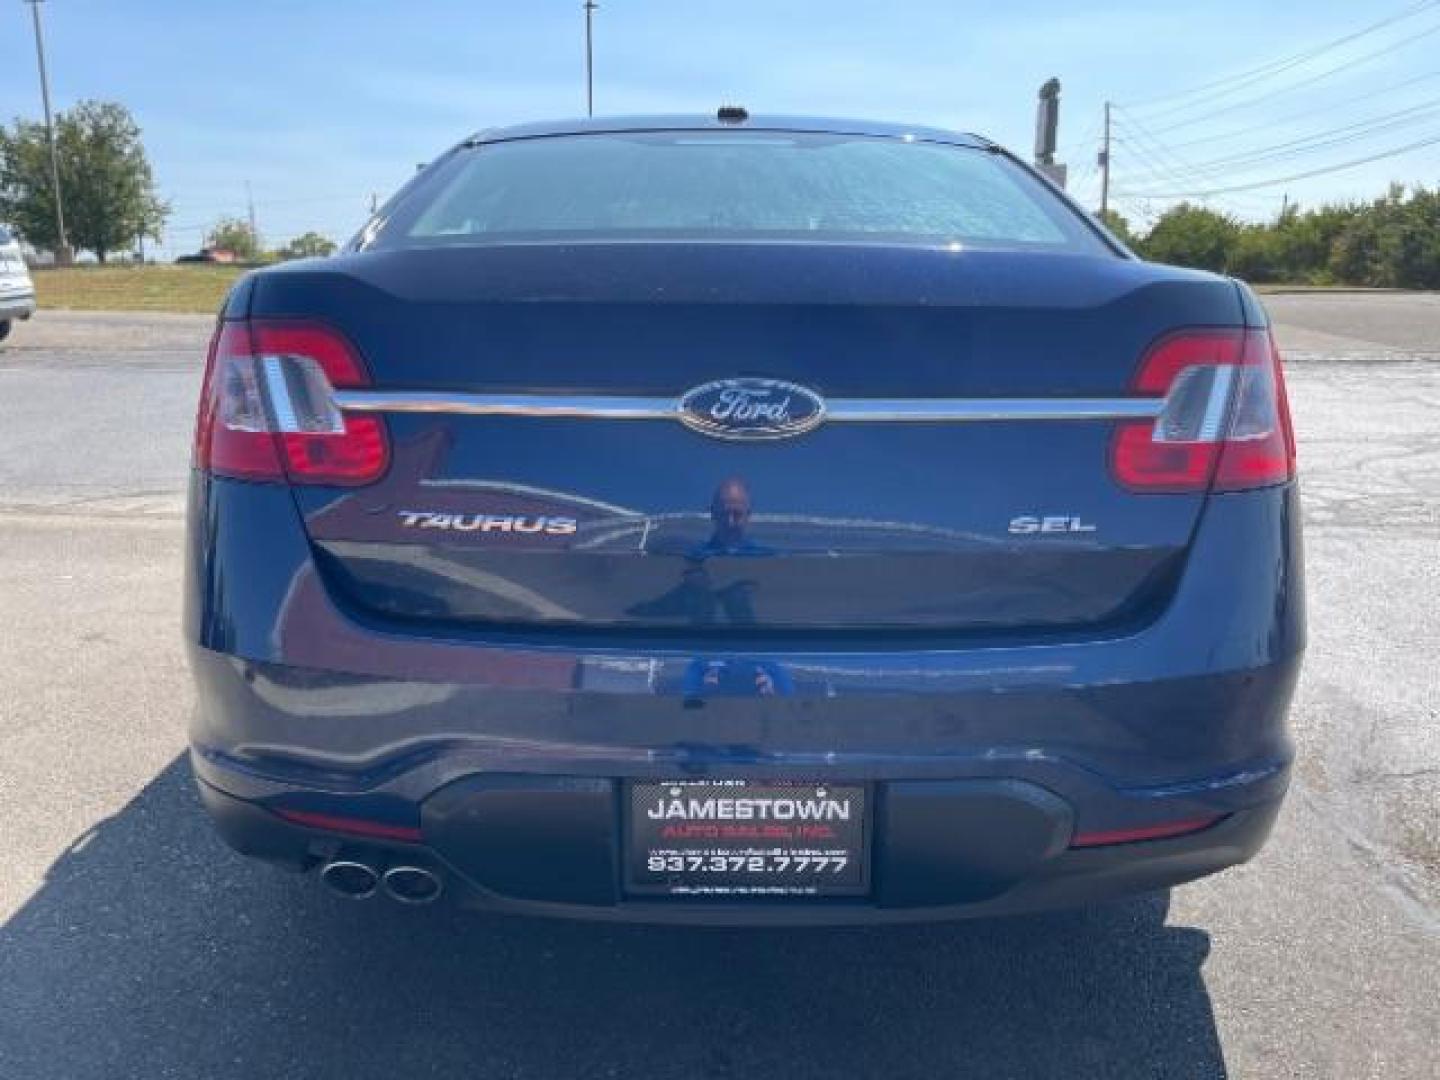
{"points": [[413, 884], [353, 880]]}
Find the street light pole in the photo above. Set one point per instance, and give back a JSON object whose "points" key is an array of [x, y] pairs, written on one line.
{"points": [[62, 249], [590, 7], [1105, 164]]}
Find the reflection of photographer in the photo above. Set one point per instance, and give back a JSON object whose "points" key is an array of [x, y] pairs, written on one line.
{"points": [[730, 517], [697, 598]]}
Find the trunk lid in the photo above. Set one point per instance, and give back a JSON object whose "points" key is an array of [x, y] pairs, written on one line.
{"points": [[646, 524]]}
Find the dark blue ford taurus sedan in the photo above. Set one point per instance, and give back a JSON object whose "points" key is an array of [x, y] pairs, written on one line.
{"points": [[742, 520]]}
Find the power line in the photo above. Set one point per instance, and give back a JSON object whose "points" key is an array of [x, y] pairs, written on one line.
{"points": [[1214, 177], [349, 196], [1305, 114], [1154, 163], [1158, 159], [1309, 81], [1085, 140], [1152, 170], [1142, 133], [1396, 152], [1276, 67], [1159, 171], [1306, 144], [1325, 140], [1155, 166]]}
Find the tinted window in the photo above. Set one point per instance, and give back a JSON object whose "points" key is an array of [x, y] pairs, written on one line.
{"points": [[734, 185]]}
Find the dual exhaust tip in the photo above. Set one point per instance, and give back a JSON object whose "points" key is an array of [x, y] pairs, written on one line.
{"points": [[360, 881]]}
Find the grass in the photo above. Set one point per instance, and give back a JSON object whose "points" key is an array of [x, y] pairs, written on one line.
{"points": [[134, 288]]}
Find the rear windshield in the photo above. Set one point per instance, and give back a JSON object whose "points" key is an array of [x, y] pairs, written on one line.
{"points": [[704, 185]]}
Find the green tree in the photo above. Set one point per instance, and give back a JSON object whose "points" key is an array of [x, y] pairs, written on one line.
{"points": [[308, 245], [105, 180], [1307, 239], [1189, 235], [1260, 253], [234, 234], [1119, 225], [1393, 243], [1296, 247]]}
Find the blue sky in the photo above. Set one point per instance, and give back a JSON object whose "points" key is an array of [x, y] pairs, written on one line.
{"points": [[319, 104]]}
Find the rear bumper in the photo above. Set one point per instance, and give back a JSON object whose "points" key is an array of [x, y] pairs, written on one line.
{"points": [[305, 706], [933, 859], [17, 306], [969, 819]]}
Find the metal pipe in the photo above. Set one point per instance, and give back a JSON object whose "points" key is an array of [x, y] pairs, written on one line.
{"points": [[352, 880], [412, 885]]}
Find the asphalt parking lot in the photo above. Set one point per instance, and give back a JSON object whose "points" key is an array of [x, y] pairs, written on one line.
{"points": [[133, 944]]}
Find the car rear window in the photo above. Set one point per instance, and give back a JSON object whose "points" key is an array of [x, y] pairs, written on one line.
{"points": [[721, 185]]}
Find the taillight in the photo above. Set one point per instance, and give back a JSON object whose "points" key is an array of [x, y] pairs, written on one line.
{"points": [[1164, 831], [1224, 423], [379, 830], [267, 409]]}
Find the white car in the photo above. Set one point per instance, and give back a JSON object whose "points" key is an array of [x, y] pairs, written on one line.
{"points": [[17, 291]]}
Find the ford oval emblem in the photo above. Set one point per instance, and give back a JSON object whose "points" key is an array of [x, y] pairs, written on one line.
{"points": [[752, 409]]}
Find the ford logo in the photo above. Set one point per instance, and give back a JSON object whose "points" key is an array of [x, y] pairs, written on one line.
{"points": [[751, 409]]}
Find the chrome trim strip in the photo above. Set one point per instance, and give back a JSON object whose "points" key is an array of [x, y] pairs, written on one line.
{"points": [[592, 406], [837, 410], [964, 410]]}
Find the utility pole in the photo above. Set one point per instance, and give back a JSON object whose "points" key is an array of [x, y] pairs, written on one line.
{"points": [[1105, 164], [62, 248], [250, 203], [590, 7]]}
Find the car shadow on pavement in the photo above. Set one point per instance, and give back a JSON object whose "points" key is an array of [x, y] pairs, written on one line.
{"points": [[151, 950]]}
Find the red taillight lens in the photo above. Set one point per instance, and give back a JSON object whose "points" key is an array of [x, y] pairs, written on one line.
{"points": [[1164, 831], [380, 830], [232, 432], [267, 411], [1260, 445], [1225, 423]]}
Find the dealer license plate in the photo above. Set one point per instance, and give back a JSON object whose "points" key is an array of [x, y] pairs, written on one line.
{"points": [[742, 838]]}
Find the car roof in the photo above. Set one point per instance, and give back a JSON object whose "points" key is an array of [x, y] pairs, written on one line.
{"points": [[693, 122]]}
